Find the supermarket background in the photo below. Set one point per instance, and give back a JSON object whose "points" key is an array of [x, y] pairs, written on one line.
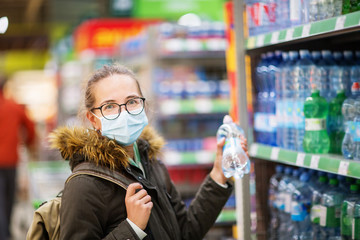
{"points": [[197, 61]]}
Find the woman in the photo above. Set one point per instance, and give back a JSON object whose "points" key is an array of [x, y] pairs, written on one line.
{"points": [[151, 207]]}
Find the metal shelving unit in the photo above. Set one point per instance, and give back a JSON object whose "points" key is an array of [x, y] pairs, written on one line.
{"points": [[339, 33]]}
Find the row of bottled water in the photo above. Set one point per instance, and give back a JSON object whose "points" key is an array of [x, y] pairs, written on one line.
{"points": [[309, 204], [307, 101], [270, 15]]}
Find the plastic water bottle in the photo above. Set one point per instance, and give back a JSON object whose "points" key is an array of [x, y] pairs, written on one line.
{"points": [[348, 111], [302, 75], [355, 69], [289, 94], [356, 222], [300, 209], [314, 11], [282, 14], [347, 64], [347, 212], [273, 69], [318, 189], [316, 138], [235, 162], [280, 109], [260, 117], [273, 192], [335, 123], [296, 13], [322, 71], [336, 75], [280, 203], [330, 210], [356, 130]]}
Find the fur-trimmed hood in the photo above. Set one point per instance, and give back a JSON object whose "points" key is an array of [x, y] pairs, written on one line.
{"points": [[78, 144]]}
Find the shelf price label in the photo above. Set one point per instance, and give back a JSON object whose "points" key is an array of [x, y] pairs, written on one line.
{"points": [[253, 150], [340, 21], [314, 163], [306, 30], [275, 37], [275, 153], [300, 159], [260, 40], [343, 168], [289, 34]]}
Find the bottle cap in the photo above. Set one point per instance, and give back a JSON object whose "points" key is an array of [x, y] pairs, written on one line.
{"points": [[305, 177], [227, 119], [333, 182], [288, 170], [322, 179], [355, 86], [279, 169]]}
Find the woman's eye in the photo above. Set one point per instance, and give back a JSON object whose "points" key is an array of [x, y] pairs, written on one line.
{"points": [[132, 102], [109, 107]]}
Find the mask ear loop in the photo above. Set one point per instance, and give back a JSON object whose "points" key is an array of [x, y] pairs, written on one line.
{"points": [[97, 130]]}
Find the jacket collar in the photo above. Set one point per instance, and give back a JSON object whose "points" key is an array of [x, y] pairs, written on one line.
{"points": [[79, 144]]}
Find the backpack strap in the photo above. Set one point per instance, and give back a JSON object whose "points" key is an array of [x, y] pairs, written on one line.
{"points": [[92, 169]]}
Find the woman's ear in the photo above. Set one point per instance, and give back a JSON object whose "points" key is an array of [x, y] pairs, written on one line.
{"points": [[95, 122]]}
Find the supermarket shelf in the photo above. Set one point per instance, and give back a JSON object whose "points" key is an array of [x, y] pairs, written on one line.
{"points": [[191, 106], [324, 162], [327, 27], [174, 158], [191, 55]]}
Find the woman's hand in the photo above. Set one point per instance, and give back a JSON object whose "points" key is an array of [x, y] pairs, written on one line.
{"points": [[216, 173], [138, 205]]}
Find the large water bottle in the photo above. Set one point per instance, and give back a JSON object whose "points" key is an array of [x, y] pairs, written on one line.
{"points": [[314, 10], [356, 222], [355, 69], [273, 193], [348, 63], [347, 212], [303, 75], [296, 14], [348, 111], [300, 209], [288, 103], [280, 203], [330, 210], [322, 78], [317, 191], [316, 138], [282, 14], [337, 74], [261, 84], [273, 69], [335, 123], [356, 130], [235, 162]]}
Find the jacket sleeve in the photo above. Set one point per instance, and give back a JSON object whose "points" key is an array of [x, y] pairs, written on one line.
{"points": [[83, 213], [203, 211]]}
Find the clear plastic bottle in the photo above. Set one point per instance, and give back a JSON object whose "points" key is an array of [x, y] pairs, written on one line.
{"points": [[235, 162], [355, 69], [347, 212], [302, 75], [356, 222], [336, 75], [348, 111], [356, 130], [273, 193], [289, 94]]}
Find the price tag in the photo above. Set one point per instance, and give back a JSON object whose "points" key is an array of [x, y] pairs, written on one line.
{"points": [[253, 150], [343, 167], [340, 22], [306, 30], [275, 37], [315, 161], [260, 40], [300, 159], [275, 153], [289, 34]]}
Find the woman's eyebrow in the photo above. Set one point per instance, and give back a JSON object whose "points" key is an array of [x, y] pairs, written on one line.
{"points": [[131, 96]]}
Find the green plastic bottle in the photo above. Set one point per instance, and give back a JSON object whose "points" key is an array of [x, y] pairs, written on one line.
{"points": [[335, 123], [347, 212], [356, 222], [346, 5], [316, 139]]}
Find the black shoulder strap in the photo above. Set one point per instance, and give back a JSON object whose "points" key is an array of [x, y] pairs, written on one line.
{"points": [[91, 169]]}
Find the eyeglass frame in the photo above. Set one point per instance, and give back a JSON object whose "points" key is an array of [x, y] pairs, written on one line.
{"points": [[124, 104]]}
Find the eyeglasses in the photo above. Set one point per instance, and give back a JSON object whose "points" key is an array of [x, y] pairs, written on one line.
{"points": [[112, 111]]}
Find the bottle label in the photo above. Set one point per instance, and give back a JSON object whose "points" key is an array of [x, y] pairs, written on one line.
{"points": [[279, 113], [288, 110], [260, 122], [315, 124], [299, 211], [356, 131], [315, 214]]}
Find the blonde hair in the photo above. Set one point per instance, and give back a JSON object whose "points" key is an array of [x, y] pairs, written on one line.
{"points": [[98, 75]]}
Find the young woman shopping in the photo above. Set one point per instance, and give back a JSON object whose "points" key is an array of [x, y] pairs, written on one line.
{"points": [[121, 141]]}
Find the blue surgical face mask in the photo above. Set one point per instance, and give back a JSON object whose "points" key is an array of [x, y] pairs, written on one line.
{"points": [[125, 129]]}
